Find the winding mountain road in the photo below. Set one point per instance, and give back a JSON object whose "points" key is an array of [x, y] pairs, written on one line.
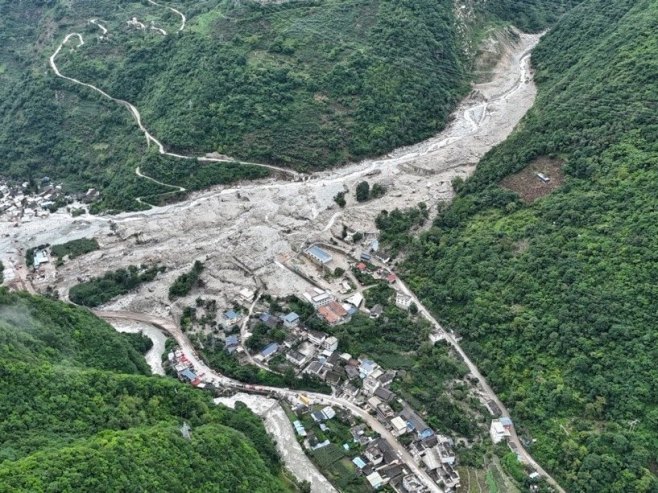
{"points": [[150, 139]]}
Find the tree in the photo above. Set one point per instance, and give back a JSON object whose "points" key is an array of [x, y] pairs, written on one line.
{"points": [[340, 199], [362, 191]]}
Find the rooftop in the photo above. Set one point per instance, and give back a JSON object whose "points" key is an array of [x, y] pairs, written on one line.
{"points": [[319, 253], [269, 349]]}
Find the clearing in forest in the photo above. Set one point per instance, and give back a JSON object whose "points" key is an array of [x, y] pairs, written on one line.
{"points": [[536, 180]]}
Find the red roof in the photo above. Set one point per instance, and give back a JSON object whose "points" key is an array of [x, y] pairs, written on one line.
{"points": [[361, 266], [391, 278]]}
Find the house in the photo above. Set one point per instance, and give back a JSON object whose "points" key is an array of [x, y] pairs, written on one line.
{"points": [[361, 267], [376, 311], [366, 367], [374, 454], [296, 358], [316, 337], [386, 378], [329, 412], [270, 320], [318, 298], [391, 278], [330, 344], [355, 300], [373, 402], [385, 412], [268, 351], [384, 394], [318, 255], [231, 318], [416, 423], [399, 426], [189, 376], [365, 257], [333, 313], [498, 431], [352, 372], [412, 484], [299, 428], [247, 294], [402, 300], [231, 343], [370, 384], [375, 480], [40, 257], [291, 320]]}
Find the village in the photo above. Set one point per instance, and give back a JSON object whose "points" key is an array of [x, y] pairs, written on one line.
{"points": [[278, 341], [24, 202]]}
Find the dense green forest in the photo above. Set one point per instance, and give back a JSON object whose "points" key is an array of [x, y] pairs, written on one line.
{"points": [[100, 290], [79, 413], [304, 84], [556, 297]]}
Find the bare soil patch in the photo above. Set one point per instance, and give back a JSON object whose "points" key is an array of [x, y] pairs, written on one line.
{"points": [[536, 180]]}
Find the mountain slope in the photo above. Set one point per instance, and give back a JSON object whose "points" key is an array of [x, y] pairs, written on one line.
{"points": [[555, 295], [78, 416]]}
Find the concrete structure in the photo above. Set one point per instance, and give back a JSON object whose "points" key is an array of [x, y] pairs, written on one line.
{"points": [[291, 320], [375, 480], [498, 432], [402, 300], [318, 298], [318, 255], [330, 344], [399, 426]]}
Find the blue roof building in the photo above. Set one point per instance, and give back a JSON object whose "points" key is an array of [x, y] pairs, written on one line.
{"points": [[188, 375], [318, 255], [291, 320], [358, 462], [230, 315], [269, 350], [231, 340]]}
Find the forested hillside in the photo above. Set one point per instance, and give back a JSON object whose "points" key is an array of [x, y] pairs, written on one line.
{"points": [[555, 293], [80, 414], [306, 84]]}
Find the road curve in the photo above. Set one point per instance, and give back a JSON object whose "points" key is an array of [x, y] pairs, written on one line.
{"points": [[208, 374]]}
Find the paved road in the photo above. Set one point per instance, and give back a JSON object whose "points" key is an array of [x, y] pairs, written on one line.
{"points": [[209, 375], [488, 391]]}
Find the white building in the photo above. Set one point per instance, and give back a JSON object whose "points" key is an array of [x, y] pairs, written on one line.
{"points": [[498, 432], [330, 344], [402, 300]]}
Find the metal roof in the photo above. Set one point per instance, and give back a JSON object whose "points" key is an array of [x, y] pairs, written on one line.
{"points": [[319, 253]]}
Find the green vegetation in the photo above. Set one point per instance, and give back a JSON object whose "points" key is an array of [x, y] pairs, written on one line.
{"points": [[307, 85], [100, 290], [396, 226], [362, 191], [185, 282], [555, 299], [80, 414], [74, 248], [340, 199]]}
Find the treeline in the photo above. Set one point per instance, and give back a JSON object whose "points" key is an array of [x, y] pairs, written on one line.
{"points": [[74, 248], [185, 282], [79, 414], [554, 298], [100, 290]]}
